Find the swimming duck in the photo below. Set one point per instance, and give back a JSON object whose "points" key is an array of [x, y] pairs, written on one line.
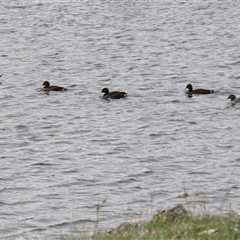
{"points": [[114, 94], [234, 100], [198, 91], [48, 88]]}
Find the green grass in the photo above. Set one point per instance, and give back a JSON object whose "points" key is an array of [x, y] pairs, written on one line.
{"points": [[176, 223]]}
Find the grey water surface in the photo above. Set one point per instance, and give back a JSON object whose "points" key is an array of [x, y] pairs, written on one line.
{"points": [[63, 153]]}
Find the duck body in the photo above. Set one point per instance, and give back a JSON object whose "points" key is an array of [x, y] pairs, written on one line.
{"points": [[234, 99], [198, 91], [48, 88], [114, 94]]}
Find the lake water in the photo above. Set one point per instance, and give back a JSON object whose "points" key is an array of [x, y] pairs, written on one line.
{"points": [[63, 153]]}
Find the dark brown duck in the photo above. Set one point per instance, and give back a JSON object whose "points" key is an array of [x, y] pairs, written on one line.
{"points": [[114, 94], [234, 99], [48, 88], [198, 91]]}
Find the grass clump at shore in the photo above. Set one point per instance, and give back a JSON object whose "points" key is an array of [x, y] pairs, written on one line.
{"points": [[175, 223]]}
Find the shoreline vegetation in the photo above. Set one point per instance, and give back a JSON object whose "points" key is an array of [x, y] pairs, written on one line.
{"points": [[172, 224]]}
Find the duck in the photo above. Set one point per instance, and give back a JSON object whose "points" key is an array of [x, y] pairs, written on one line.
{"points": [[234, 99], [114, 94], [198, 91], [48, 88]]}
